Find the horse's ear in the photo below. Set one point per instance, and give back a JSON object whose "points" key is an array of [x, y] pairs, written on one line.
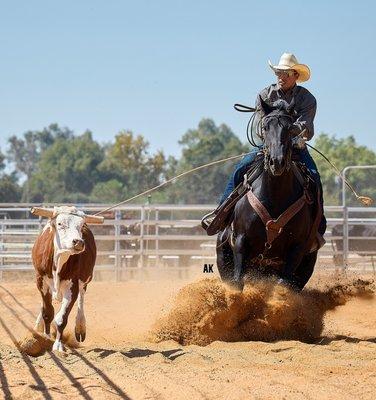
{"points": [[265, 107]]}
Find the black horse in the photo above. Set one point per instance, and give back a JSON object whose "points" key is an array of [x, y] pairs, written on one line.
{"points": [[274, 226]]}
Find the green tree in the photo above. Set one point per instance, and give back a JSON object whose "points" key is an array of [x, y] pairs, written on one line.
{"points": [[67, 170], [10, 191], [202, 145], [128, 163], [344, 152], [111, 191], [25, 152]]}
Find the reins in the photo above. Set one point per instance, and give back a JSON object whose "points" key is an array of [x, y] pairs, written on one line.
{"points": [[247, 109]]}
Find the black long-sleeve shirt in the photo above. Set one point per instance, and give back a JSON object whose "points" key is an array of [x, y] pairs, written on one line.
{"points": [[305, 105]]}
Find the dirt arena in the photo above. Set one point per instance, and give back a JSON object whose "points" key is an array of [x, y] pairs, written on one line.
{"points": [[196, 339]]}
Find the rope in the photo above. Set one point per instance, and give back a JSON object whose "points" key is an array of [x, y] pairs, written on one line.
{"points": [[170, 180], [363, 199], [247, 109]]}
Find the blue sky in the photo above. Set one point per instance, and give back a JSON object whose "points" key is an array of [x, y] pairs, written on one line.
{"points": [[157, 68]]}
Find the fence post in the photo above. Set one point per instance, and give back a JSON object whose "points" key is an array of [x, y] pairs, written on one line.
{"points": [[2, 248], [117, 245], [156, 237], [142, 236], [345, 238]]}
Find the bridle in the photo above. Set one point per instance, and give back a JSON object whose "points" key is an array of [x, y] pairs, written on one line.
{"points": [[257, 126], [261, 132]]}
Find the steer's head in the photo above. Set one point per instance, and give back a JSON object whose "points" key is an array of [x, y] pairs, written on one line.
{"points": [[68, 222]]}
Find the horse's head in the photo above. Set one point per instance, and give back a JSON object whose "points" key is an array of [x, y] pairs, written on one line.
{"points": [[276, 125]]}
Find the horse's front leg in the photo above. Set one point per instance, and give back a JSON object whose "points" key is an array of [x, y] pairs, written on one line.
{"points": [[294, 258], [240, 259]]}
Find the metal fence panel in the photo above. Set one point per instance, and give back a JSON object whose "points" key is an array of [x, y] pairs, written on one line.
{"points": [[141, 236]]}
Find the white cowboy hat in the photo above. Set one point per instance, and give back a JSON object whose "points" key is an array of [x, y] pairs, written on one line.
{"points": [[289, 61]]}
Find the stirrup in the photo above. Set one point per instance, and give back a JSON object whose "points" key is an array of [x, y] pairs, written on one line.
{"points": [[218, 219], [318, 243], [320, 240], [207, 219]]}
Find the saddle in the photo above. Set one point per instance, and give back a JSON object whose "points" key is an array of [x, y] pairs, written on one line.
{"points": [[223, 215]]}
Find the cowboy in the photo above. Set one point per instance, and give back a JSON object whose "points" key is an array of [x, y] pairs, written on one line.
{"points": [[289, 72]]}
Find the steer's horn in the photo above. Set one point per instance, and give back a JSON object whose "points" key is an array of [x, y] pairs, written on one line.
{"points": [[42, 212], [93, 219]]}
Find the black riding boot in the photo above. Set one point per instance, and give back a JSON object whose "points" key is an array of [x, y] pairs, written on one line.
{"points": [[220, 218]]}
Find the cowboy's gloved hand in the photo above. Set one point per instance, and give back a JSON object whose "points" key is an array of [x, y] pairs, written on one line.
{"points": [[299, 142]]}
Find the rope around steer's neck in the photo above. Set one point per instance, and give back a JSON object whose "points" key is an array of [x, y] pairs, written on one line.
{"points": [[169, 181]]}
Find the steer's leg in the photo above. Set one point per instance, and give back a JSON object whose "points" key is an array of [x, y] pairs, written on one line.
{"points": [[39, 323], [69, 291], [80, 328], [46, 313]]}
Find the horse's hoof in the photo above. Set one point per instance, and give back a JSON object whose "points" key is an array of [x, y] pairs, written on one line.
{"points": [[238, 286], [289, 284]]}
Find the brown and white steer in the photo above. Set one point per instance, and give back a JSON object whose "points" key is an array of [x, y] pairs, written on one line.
{"points": [[63, 255]]}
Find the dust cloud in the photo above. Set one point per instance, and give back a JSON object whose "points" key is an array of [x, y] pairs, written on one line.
{"points": [[208, 310]]}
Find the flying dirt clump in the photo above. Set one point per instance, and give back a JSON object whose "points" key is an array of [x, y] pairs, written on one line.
{"points": [[208, 310], [36, 344]]}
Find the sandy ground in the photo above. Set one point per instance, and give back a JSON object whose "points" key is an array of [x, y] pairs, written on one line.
{"points": [[315, 346]]}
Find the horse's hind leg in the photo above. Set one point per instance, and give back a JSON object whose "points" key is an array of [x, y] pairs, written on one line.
{"points": [[240, 258], [225, 256]]}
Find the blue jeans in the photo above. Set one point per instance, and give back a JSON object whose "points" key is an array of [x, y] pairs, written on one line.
{"points": [[237, 177], [244, 164]]}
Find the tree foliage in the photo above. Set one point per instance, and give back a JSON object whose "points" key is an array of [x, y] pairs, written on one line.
{"points": [[56, 165], [202, 145], [10, 191], [130, 167], [25, 152], [67, 170], [344, 152]]}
